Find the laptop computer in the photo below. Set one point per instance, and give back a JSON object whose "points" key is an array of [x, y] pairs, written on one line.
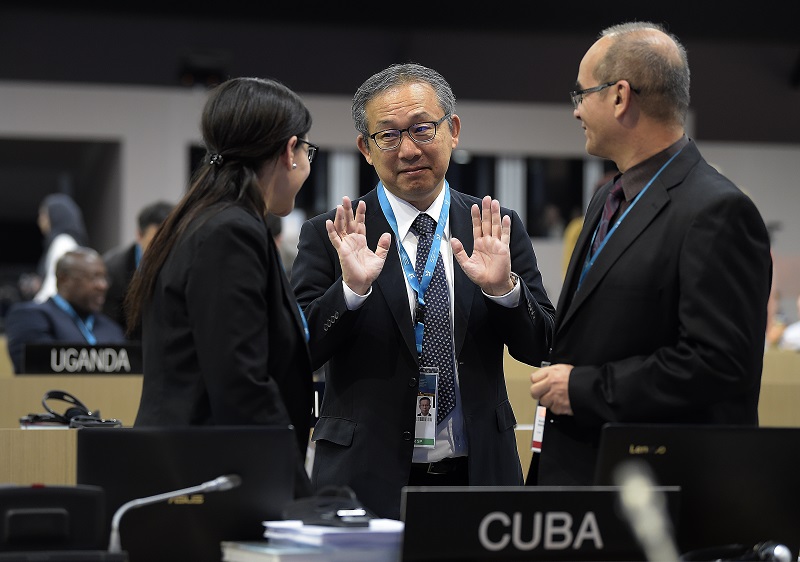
{"points": [[739, 484], [131, 463]]}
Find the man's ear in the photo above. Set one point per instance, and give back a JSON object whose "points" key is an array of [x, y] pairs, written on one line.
{"points": [[363, 148]]}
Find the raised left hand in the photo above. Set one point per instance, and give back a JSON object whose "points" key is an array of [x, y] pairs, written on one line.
{"points": [[489, 266]]}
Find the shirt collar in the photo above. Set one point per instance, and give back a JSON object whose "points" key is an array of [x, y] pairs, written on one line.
{"points": [[634, 180], [405, 212]]}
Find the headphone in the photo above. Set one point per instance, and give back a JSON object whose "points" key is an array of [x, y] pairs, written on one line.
{"points": [[77, 408], [77, 415]]}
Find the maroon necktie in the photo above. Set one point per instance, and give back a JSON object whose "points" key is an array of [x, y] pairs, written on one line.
{"points": [[615, 196]]}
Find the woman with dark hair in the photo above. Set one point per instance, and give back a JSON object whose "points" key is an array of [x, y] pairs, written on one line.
{"points": [[61, 222], [224, 341]]}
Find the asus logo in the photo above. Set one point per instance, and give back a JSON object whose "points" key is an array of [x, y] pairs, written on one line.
{"points": [[646, 449], [194, 499]]}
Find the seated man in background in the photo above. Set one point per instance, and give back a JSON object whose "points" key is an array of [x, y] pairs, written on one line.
{"points": [[72, 315], [122, 261]]}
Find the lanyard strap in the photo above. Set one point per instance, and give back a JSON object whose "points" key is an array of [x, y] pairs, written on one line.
{"points": [[590, 258], [419, 287], [85, 326]]}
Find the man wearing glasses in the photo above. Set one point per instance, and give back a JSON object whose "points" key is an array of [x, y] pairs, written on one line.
{"points": [[663, 311], [371, 307]]}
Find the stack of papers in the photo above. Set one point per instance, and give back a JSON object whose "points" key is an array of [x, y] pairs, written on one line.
{"points": [[380, 542], [263, 551]]}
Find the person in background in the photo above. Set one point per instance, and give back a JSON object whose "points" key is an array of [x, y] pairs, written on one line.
{"points": [[223, 339], [122, 261], [72, 315], [61, 222], [790, 337], [663, 319], [366, 316]]}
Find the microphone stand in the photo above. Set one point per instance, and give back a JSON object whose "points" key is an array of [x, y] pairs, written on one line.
{"points": [[219, 484], [646, 511]]}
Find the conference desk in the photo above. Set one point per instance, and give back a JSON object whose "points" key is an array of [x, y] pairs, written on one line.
{"points": [[48, 456], [777, 406]]}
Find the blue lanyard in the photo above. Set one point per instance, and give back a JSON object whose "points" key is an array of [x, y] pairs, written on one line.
{"points": [[590, 258], [305, 323], [408, 268], [138, 254], [85, 327]]}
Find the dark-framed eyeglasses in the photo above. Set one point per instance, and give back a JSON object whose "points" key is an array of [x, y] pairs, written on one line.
{"points": [[420, 133], [577, 95], [312, 149]]}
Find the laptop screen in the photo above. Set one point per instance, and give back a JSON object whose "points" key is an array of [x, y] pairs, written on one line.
{"points": [[131, 463], [739, 484]]}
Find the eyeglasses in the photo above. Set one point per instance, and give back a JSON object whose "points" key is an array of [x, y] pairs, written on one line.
{"points": [[312, 149], [577, 95], [420, 133]]}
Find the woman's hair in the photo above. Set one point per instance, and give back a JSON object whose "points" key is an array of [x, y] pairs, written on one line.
{"points": [[65, 218], [245, 123]]}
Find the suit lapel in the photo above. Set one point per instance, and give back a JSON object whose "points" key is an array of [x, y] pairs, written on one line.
{"points": [[391, 281], [629, 230], [286, 286], [463, 289]]}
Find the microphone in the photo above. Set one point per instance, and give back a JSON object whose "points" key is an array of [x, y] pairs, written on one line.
{"points": [[645, 509], [771, 550], [219, 484]]}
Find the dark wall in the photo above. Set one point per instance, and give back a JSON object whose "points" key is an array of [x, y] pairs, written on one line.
{"points": [[745, 65]]}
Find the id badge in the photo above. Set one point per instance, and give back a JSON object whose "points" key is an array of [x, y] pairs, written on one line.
{"points": [[425, 408], [538, 424]]}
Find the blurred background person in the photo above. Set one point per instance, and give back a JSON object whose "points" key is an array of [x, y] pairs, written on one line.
{"points": [[122, 261], [61, 222], [72, 315], [224, 341], [790, 336]]}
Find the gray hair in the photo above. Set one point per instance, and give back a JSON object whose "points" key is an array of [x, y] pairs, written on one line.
{"points": [[658, 70], [396, 75]]}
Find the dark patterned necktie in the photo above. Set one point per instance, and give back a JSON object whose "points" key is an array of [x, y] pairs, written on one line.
{"points": [[437, 338], [613, 200]]}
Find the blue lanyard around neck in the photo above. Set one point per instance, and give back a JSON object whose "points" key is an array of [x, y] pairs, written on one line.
{"points": [[433, 254], [590, 258], [85, 326]]}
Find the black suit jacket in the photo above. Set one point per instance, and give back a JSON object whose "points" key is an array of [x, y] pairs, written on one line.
{"points": [[668, 325], [223, 340], [31, 322], [121, 265], [364, 437]]}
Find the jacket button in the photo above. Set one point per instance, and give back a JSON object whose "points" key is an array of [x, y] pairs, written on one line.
{"points": [[406, 436], [412, 382]]}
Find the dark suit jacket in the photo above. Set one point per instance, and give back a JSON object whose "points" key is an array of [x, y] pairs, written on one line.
{"points": [[669, 323], [223, 340], [121, 265], [31, 322], [364, 437]]}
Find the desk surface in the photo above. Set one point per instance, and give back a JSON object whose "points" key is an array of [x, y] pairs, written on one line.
{"points": [[115, 396]]}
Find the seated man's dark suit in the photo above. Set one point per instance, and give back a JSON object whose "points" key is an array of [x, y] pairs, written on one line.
{"points": [[121, 265], [31, 322]]}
